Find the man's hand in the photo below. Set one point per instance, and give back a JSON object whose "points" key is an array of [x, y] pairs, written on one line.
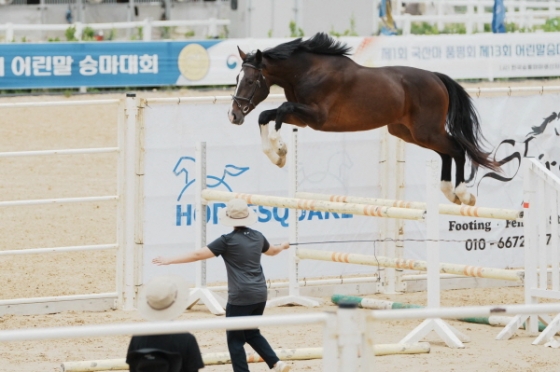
{"points": [[160, 261], [273, 250]]}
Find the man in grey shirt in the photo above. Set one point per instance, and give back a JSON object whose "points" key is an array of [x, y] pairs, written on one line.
{"points": [[241, 251]]}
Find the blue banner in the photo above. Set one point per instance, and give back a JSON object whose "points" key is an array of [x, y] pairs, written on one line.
{"points": [[104, 64]]}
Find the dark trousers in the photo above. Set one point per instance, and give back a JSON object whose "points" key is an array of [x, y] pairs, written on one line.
{"points": [[236, 339]]}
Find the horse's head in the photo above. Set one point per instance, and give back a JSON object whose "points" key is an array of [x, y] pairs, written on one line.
{"points": [[251, 88]]}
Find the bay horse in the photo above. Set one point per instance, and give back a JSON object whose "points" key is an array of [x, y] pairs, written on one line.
{"points": [[327, 91]]}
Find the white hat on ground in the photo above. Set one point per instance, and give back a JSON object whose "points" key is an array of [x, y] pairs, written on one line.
{"points": [[237, 213], [163, 298]]}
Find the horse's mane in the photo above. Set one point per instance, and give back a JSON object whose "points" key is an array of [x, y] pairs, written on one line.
{"points": [[321, 43]]}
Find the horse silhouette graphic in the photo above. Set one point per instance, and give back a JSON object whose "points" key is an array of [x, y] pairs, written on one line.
{"points": [[186, 164], [529, 147]]}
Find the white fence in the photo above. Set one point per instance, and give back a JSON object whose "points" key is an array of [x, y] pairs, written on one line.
{"points": [[212, 25], [523, 13], [130, 200], [124, 288]]}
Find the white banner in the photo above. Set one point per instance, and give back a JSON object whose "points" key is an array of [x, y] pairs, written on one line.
{"points": [[478, 56], [342, 163]]}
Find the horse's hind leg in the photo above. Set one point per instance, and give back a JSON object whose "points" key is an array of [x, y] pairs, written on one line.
{"points": [[401, 131], [460, 186], [446, 186]]}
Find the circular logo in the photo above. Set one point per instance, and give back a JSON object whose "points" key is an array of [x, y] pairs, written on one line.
{"points": [[193, 62], [231, 61]]}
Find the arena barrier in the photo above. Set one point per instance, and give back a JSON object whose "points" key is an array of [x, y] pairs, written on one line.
{"points": [[347, 337], [541, 195], [210, 359], [123, 292]]}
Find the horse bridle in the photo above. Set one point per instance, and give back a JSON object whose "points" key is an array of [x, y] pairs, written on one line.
{"points": [[249, 100]]}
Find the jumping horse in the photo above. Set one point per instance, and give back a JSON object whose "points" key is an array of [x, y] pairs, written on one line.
{"points": [[327, 91]]}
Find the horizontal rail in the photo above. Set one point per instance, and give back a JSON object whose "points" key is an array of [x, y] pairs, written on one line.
{"points": [[87, 199], [399, 263], [464, 312], [36, 300], [204, 99], [209, 359], [167, 327], [317, 205], [548, 177], [60, 103], [111, 25], [102, 150], [308, 283], [449, 209], [75, 248], [535, 89]]}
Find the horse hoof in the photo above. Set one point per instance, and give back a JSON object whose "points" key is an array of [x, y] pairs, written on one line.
{"points": [[282, 151], [456, 200], [472, 200], [281, 162]]}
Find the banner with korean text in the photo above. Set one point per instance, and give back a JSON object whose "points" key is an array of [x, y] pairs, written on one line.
{"points": [[217, 62]]}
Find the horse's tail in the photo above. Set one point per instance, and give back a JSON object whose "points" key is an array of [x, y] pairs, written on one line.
{"points": [[463, 124]]}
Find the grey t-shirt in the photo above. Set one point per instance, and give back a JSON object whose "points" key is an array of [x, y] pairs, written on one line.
{"points": [[241, 250]]}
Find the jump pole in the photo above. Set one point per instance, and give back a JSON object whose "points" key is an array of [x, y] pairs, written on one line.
{"points": [[375, 304], [316, 205], [221, 358], [200, 292], [449, 209], [399, 263]]}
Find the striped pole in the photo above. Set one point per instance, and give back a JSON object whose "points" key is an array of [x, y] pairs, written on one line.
{"points": [[316, 205], [449, 209], [252, 357], [375, 304], [361, 259]]}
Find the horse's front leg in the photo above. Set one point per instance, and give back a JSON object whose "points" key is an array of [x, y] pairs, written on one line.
{"points": [[291, 113], [275, 151]]}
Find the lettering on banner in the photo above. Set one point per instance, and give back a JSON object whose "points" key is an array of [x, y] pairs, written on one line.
{"points": [[42, 66], [21, 66], [398, 53], [186, 215], [487, 51], [537, 50], [119, 64], [426, 52], [1, 66]]}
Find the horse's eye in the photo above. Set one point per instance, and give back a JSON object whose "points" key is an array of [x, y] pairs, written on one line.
{"points": [[250, 82]]}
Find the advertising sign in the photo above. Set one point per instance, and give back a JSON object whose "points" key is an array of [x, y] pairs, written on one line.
{"points": [[341, 163]]}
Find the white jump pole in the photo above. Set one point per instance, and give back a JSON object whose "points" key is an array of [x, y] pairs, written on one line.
{"points": [[293, 297], [451, 336], [449, 209], [416, 265], [200, 292]]}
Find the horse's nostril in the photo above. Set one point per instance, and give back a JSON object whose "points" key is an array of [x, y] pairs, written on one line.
{"points": [[234, 116]]}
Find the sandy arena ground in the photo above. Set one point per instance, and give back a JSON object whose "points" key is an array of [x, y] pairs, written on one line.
{"points": [[93, 272]]}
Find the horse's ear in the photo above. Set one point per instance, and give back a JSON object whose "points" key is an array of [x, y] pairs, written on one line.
{"points": [[241, 54], [258, 57]]}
